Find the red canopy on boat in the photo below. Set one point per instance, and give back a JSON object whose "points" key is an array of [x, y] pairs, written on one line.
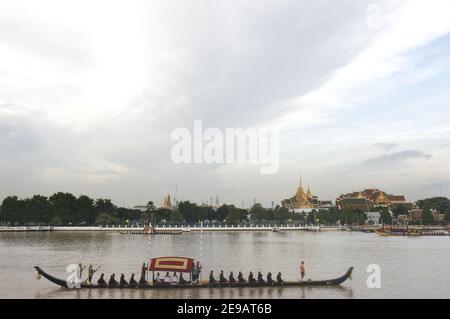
{"points": [[177, 264]]}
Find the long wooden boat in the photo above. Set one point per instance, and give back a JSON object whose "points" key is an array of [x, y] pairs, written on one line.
{"points": [[152, 231], [396, 234], [182, 264], [158, 232], [404, 232]]}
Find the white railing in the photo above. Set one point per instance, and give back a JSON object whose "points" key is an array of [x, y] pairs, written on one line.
{"points": [[185, 228]]}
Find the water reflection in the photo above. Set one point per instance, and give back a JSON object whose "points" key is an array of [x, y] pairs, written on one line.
{"points": [[327, 255], [213, 293]]}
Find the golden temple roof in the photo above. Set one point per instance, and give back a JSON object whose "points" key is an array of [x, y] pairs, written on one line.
{"points": [[302, 200]]}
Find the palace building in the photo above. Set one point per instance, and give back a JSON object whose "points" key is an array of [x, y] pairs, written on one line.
{"points": [[305, 201], [368, 199]]}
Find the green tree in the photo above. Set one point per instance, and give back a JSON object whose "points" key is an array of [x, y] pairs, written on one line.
{"points": [[360, 217], [64, 207], [10, 210], [400, 210], [269, 214], [86, 211], [302, 217], [203, 213], [221, 213], [126, 215], [189, 211], [176, 216], [257, 212], [39, 209], [427, 217], [281, 214], [311, 217], [441, 204], [349, 216], [447, 216], [385, 216], [233, 216], [243, 213], [106, 219], [327, 217], [104, 208], [148, 216], [162, 214]]}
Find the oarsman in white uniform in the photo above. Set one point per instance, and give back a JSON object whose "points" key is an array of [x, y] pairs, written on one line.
{"points": [[167, 278], [174, 278]]}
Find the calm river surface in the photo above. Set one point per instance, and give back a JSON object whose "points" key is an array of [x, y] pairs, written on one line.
{"points": [[410, 267]]}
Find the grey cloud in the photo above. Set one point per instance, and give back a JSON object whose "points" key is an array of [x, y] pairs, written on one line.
{"points": [[386, 146], [227, 63], [37, 37], [235, 69], [395, 158], [102, 171], [18, 134], [442, 186]]}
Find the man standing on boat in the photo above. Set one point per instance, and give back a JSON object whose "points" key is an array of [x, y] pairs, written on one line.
{"points": [[143, 270], [91, 272], [81, 268], [199, 270], [302, 270], [194, 272]]}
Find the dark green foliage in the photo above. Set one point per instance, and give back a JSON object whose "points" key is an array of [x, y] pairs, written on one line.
{"points": [[63, 209], [66, 209], [400, 210], [352, 217], [427, 217], [385, 216], [441, 204], [447, 216]]}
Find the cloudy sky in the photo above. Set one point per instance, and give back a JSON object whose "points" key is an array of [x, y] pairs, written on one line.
{"points": [[90, 92]]}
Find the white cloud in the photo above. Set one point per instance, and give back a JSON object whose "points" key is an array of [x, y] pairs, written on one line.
{"points": [[410, 25], [85, 84]]}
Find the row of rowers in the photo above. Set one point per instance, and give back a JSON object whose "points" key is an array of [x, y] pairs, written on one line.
{"points": [[240, 279], [174, 279], [122, 283]]}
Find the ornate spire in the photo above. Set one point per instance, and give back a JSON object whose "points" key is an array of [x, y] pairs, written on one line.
{"points": [[166, 202], [309, 193]]}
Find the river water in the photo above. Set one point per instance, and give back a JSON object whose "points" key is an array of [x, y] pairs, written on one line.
{"points": [[410, 267]]}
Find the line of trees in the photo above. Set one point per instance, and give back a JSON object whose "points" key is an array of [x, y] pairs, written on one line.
{"points": [[187, 212], [66, 209], [63, 209], [440, 204]]}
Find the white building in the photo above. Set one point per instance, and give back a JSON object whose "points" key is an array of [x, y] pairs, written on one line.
{"points": [[373, 218]]}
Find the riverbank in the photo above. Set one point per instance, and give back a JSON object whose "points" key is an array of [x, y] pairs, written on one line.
{"points": [[195, 228], [207, 228]]}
